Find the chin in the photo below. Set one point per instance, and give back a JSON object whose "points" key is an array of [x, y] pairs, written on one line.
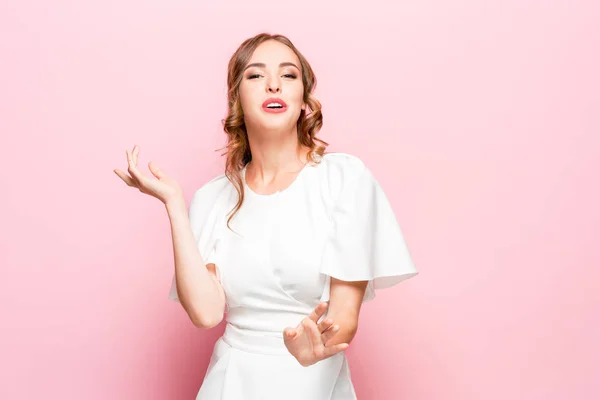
{"points": [[274, 122], [279, 124], [277, 127]]}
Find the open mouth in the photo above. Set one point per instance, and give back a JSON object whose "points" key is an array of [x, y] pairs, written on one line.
{"points": [[274, 105]]}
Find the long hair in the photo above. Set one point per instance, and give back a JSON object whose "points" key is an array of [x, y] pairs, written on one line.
{"points": [[237, 148]]}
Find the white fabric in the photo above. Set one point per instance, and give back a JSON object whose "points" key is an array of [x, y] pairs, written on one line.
{"points": [[334, 220]]}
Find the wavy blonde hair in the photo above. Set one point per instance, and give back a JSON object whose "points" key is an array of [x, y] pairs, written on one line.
{"points": [[237, 151]]}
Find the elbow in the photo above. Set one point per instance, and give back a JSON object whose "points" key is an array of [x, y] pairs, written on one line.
{"points": [[350, 331], [206, 316], [346, 333], [206, 321]]}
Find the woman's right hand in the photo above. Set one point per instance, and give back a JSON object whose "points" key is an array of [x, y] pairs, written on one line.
{"points": [[163, 188]]}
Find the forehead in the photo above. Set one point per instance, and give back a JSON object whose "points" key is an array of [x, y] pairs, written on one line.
{"points": [[273, 52]]}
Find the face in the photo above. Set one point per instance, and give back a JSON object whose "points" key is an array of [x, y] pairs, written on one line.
{"points": [[273, 72]]}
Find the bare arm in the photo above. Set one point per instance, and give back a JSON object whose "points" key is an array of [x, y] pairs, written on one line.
{"points": [[311, 342], [345, 300], [199, 291]]}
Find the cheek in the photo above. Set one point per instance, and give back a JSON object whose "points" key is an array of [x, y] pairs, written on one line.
{"points": [[246, 96], [299, 93]]}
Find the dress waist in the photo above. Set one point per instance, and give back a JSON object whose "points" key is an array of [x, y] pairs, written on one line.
{"points": [[253, 341]]}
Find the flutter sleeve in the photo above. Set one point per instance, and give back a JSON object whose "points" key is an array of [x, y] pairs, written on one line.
{"points": [[366, 242], [204, 213]]}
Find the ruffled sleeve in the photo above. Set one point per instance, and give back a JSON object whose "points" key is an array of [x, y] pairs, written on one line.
{"points": [[366, 242], [205, 214]]}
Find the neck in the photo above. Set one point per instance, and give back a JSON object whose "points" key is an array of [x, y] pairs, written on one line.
{"points": [[279, 153]]}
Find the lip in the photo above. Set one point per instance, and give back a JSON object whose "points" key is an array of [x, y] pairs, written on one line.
{"points": [[274, 100]]}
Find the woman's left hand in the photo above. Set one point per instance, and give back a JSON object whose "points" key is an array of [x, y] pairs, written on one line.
{"points": [[307, 342]]}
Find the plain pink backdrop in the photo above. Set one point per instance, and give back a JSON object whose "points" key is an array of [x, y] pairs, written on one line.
{"points": [[479, 118]]}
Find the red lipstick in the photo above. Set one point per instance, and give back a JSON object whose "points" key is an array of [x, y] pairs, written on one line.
{"points": [[274, 105]]}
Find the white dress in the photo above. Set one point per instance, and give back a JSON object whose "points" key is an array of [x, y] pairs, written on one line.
{"points": [[334, 220]]}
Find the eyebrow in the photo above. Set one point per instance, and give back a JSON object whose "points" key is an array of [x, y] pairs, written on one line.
{"points": [[263, 65]]}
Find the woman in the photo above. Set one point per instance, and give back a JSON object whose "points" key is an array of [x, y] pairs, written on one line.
{"points": [[294, 240]]}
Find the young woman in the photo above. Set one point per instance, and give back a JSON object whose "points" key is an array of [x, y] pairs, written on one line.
{"points": [[294, 239]]}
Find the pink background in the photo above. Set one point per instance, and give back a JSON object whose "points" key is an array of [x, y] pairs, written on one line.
{"points": [[479, 118]]}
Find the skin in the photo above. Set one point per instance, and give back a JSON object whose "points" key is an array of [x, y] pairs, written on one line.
{"points": [[277, 158]]}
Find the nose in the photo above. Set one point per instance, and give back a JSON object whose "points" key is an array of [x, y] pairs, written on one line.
{"points": [[273, 86]]}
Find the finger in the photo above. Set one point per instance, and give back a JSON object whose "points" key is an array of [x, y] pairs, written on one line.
{"points": [[157, 172], [136, 175], [136, 152], [289, 333], [313, 333], [132, 157], [325, 324], [130, 163], [333, 350], [318, 312], [325, 337], [129, 157], [125, 178]]}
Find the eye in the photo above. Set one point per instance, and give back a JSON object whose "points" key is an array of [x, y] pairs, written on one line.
{"points": [[292, 76], [253, 76]]}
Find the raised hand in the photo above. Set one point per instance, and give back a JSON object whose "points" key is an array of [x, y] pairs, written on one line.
{"points": [[308, 341], [163, 188]]}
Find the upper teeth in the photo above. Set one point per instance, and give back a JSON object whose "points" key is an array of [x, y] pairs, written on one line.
{"points": [[274, 105]]}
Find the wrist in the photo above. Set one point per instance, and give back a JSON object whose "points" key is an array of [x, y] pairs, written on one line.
{"points": [[176, 205]]}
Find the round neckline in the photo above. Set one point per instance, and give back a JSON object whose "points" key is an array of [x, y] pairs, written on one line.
{"points": [[279, 192]]}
